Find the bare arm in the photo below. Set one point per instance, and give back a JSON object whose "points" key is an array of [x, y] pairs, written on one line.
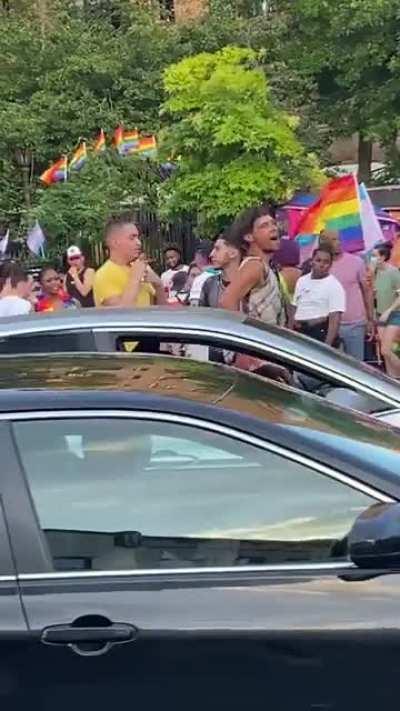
{"points": [[368, 298], [85, 286], [247, 277], [161, 297], [291, 310], [153, 278], [333, 327]]}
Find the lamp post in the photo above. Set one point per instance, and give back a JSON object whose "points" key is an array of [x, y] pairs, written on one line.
{"points": [[23, 157]]}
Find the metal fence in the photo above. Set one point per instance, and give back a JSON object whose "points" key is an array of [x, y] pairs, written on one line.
{"points": [[156, 236]]}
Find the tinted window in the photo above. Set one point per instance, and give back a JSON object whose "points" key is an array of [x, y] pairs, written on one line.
{"points": [[120, 493], [68, 341]]}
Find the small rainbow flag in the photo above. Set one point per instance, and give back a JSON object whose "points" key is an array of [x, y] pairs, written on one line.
{"points": [[147, 147], [79, 158], [338, 208], [118, 138], [100, 144], [130, 142], [56, 173]]}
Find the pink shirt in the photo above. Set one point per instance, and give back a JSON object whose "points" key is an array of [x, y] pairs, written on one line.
{"points": [[350, 270]]}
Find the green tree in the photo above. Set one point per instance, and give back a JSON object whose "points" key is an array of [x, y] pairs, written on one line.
{"points": [[76, 210], [233, 146], [58, 85], [350, 51]]}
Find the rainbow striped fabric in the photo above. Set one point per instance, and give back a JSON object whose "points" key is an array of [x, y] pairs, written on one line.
{"points": [[125, 142], [147, 147], [130, 142], [100, 144], [56, 173], [338, 208], [79, 158]]}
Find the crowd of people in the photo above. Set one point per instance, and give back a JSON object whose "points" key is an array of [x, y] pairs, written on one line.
{"points": [[335, 297]]}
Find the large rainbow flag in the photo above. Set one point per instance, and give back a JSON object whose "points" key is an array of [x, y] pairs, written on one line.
{"points": [[337, 208], [56, 173]]}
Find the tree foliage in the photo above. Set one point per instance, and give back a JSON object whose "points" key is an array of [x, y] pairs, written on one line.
{"points": [[234, 146], [351, 51], [65, 83], [76, 210]]}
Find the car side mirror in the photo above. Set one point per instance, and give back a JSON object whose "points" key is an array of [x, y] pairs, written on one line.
{"points": [[374, 540]]}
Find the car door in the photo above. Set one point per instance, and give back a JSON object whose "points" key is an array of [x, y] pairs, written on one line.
{"points": [[168, 562], [14, 635], [269, 361], [68, 341]]}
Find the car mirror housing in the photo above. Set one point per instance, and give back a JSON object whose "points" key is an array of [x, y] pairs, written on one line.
{"points": [[374, 540]]}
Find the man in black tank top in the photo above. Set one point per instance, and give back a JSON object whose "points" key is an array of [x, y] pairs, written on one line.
{"points": [[79, 278]]}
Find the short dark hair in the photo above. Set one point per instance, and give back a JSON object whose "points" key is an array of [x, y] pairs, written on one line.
{"points": [[179, 280], [13, 272], [118, 219], [45, 269], [172, 248], [203, 247], [325, 249], [385, 250], [244, 224]]}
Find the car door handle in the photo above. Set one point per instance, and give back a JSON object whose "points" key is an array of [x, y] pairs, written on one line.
{"points": [[68, 634]]}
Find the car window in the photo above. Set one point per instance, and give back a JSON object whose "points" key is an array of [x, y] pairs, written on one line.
{"points": [[65, 341], [301, 377], [130, 494]]}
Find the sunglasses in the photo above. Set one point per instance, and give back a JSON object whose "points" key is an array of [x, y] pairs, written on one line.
{"points": [[74, 259]]}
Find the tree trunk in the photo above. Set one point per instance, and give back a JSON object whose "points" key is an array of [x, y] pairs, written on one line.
{"points": [[27, 188], [364, 159]]}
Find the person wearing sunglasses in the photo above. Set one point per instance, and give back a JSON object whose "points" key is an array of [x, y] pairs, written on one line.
{"points": [[79, 278]]}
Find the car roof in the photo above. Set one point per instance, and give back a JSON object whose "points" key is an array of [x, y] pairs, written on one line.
{"points": [[218, 322], [95, 317], [202, 390]]}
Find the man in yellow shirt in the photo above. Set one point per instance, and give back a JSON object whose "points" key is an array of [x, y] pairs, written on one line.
{"points": [[126, 280]]}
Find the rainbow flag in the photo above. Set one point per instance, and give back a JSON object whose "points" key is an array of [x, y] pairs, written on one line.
{"points": [[79, 158], [118, 138], [130, 142], [147, 147], [56, 173], [338, 208], [100, 144]]}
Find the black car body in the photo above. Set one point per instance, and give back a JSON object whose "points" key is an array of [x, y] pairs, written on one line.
{"points": [[313, 365], [175, 534]]}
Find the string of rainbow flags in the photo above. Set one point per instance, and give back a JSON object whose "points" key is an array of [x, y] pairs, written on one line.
{"points": [[125, 143]]}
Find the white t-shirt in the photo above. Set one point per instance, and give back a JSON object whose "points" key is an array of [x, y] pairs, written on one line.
{"points": [[197, 286], [166, 277], [14, 306], [317, 298]]}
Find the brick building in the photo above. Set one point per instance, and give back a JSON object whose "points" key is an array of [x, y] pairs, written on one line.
{"points": [[183, 10]]}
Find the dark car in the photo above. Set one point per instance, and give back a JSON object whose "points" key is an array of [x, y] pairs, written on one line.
{"points": [[181, 535], [311, 365]]}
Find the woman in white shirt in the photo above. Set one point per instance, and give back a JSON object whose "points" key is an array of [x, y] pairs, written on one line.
{"points": [[15, 288], [319, 301]]}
